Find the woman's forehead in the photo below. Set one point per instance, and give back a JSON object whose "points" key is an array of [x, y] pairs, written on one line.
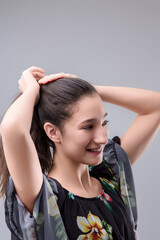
{"points": [[90, 107]]}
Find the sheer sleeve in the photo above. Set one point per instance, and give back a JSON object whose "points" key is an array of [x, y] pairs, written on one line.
{"points": [[117, 159], [116, 170], [45, 223]]}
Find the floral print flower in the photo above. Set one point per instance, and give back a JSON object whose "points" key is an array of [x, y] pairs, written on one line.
{"points": [[124, 190], [112, 183], [105, 196], [93, 228], [71, 195], [52, 206], [126, 193]]}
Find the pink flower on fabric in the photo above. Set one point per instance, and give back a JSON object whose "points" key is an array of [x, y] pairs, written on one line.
{"points": [[105, 195]]}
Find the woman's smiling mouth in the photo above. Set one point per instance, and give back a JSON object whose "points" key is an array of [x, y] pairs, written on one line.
{"points": [[95, 151]]}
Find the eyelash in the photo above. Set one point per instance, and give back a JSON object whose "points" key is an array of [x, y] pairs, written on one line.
{"points": [[105, 123], [89, 127]]}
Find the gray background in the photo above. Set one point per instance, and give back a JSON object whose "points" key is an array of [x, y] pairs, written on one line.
{"points": [[104, 42]]}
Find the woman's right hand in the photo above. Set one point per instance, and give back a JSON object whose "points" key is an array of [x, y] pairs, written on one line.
{"points": [[55, 76], [29, 80]]}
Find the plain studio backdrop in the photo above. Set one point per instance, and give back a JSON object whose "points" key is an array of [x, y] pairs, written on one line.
{"points": [[106, 42]]}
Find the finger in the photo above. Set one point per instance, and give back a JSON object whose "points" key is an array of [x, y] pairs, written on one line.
{"points": [[69, 75], [61, 75], [35, 69], [38, 75], [53, 77], [50, 78]]}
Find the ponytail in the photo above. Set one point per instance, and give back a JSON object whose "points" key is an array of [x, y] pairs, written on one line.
{"points": [[4, 173], [44, 147]]}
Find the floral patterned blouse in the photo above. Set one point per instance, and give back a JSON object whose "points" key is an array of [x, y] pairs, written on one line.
{"points": [[59, 214]]}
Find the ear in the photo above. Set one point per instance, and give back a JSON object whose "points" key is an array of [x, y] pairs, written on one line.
{"points": [[52, 132]]}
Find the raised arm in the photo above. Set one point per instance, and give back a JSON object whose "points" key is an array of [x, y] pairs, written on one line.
{"points": [[19, 149], [20, 153], [146, 104]]}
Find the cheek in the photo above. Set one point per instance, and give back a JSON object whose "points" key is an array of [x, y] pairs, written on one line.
{"points": [[84, 137], [79, 139]]}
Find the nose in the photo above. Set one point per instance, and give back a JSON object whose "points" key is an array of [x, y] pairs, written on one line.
{"points": [[101, 136]]}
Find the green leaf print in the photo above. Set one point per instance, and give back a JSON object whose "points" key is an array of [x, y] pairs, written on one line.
{"points": [[130, 192], [40, 219], [108, 184], [107, 204], [110, 237], [59, 227], [126, 193], [104, 224], [132, 202], [115, 183], [109, 229]]}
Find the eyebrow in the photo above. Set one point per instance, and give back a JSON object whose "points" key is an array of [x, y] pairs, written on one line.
{"points": [[93, 119]]}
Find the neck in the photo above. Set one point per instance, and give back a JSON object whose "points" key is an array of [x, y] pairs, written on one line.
{"points": [[70, 174]]}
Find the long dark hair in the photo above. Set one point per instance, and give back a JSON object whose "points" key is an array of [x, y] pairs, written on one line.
{"points": [[55, 105]]}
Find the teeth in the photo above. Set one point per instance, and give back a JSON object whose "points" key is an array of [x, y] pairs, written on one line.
{"points": [[93, 150]]}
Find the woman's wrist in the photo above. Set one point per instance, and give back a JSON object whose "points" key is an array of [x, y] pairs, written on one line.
{"points": [[102, 91], [33, 93]]}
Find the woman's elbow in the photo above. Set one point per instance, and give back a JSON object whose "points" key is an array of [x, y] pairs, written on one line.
{"points": [[10, 128]]}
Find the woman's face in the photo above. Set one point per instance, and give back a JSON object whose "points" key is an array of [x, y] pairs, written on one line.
{"points": [[85, 133]]}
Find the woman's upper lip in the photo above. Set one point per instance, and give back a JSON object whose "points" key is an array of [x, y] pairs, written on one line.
{"points": [[96, 148]]}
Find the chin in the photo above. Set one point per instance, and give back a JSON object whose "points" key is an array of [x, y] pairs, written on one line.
{"points": [[95, 163]]}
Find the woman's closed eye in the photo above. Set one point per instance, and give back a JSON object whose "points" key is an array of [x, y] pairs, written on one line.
{"points": [[88, 127]]}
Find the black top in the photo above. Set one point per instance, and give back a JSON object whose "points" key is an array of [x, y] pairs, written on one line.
{"points": [[59, 214]]}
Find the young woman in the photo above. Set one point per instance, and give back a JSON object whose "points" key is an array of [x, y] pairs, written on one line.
{"points": [[68, 180]]}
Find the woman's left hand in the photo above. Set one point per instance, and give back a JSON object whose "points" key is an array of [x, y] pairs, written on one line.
{"points": [[55, 76]]}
